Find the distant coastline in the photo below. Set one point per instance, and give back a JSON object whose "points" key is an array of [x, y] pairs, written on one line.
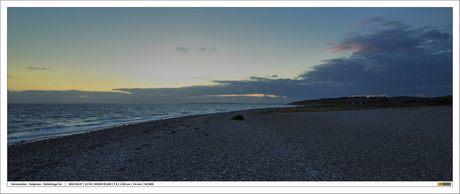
{"points": [[211, 103], [235, 103], [379, 101]]}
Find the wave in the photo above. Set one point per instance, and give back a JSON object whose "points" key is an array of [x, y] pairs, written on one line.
{"points": [[43, 121]]}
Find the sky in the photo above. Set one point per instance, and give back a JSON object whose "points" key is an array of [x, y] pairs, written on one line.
{"points": [[226, 54]]}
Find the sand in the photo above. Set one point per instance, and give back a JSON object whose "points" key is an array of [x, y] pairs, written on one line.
{"points": [[366, 145]]}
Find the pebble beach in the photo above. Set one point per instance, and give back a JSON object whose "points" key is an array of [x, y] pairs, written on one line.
{"points": [[399, 144]]}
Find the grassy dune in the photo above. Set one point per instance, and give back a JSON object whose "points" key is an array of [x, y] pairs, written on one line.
{"points": [[363, 103], [326, 108], [318, 108]]}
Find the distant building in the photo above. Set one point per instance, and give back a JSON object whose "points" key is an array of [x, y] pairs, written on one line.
{"points": [[368, 96]]}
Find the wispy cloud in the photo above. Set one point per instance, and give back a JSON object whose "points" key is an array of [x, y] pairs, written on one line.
{"points": [[371, 20], [328, 43], [346, 45], [373, 65], [67, 96], [185, 49], [34, 68], [182, 49]]}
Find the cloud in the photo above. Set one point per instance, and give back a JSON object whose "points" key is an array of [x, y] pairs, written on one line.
{"points": [[394, 59], [251, 90], [372, 65], [371, 20], [66, 96], [395, 40], [292, 89], [34, 68], [328, 43], [182, 49], [347, 45], [208, 49], [38, 69]]}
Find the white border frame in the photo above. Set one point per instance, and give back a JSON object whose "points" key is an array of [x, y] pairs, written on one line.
{"points": [[248, 187]]}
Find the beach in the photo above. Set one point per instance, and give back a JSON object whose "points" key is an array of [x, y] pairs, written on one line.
{"points": [[399, 144]]}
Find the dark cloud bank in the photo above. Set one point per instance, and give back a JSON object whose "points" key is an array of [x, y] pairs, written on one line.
{"points": [[390, 59]]}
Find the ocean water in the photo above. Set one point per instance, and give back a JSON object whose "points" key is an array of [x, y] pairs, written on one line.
{"points": [[38, 121]]}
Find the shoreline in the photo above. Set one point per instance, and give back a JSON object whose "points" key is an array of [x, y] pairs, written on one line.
{"points": [[342, 146], [119, 125]]}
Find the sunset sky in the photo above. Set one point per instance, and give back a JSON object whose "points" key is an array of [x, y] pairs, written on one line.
{"points": [[226, 54]]}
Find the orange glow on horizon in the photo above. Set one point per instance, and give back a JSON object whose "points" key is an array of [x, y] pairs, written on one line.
{"points": [[248, 95]]}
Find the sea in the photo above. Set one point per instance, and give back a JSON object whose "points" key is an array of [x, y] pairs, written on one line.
{"points": [[30, 122]]}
